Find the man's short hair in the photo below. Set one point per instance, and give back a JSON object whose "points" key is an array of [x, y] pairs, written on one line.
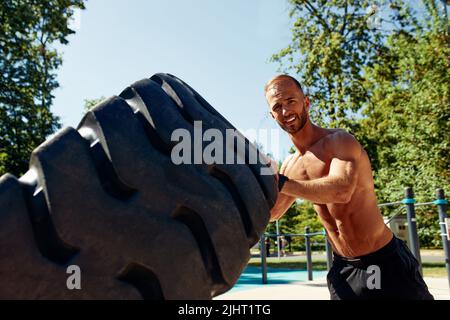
{"points": [[280, 77]]}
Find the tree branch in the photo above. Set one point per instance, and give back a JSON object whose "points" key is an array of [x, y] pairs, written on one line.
{"points": [[314, 11], [345, 19]]}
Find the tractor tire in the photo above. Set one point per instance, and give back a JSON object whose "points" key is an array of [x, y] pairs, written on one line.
{"points": [[107, 200]]}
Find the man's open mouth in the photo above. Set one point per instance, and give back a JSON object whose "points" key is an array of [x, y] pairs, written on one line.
{"points": [[290, 119]]}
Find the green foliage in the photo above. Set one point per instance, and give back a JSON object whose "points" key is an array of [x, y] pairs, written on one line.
{"points": [[331, 43], [28, 61], [409, 117], [428, 227], [90, 103]]}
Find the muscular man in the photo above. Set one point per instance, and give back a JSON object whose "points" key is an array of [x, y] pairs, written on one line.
{"points": [[333, 171]]}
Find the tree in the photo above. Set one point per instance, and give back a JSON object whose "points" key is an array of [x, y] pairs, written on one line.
{"points": [[90, 103], [332, 41], [409, 115], [28, 62]]}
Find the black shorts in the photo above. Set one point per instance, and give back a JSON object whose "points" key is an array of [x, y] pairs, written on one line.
{"points": [[389, 273]]}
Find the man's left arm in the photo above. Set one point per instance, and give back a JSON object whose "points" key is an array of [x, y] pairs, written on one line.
{"points": [[340, 183]]}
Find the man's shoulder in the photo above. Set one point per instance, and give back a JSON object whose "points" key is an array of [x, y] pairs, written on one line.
{"points": [[340, 141], [341, 135]]}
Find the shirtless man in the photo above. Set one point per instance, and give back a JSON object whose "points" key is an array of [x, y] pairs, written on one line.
{"points": [[333, 171]]}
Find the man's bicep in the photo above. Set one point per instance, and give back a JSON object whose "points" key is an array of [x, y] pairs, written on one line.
{"points": [[344, 169], [344, 164]]}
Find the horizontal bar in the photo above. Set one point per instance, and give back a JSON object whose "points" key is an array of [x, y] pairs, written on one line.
{"points": [[294, 234], [390, 204], [423, 203], [400, 202]]}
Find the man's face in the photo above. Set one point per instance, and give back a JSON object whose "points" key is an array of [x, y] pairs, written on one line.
{"points": [[288, 106]]}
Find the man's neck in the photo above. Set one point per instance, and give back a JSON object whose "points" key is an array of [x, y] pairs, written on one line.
{"points": [[307, 136]]}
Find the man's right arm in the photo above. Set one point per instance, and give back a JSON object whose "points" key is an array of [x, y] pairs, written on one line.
{"points": [[282, 205], [284, 201]]}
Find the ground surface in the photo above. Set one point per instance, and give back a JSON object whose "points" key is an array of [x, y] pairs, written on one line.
{"points": [[286, 284]]}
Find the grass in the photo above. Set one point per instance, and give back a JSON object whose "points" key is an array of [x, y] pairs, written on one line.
{"points": [[430, 269], [434, 270]]}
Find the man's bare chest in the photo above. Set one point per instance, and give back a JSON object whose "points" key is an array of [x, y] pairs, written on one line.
{"points": [[307, 167]]}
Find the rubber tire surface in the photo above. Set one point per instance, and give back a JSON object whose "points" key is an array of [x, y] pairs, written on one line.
{"points": [[107, 198]]}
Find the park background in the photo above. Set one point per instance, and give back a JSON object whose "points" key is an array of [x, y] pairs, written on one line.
{"points": [[379, 69]]}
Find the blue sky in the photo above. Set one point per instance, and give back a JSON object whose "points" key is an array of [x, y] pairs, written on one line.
{"points": [[221, 48]]}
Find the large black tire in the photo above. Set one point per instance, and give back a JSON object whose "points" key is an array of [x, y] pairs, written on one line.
{"points": [[107, 198]]}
